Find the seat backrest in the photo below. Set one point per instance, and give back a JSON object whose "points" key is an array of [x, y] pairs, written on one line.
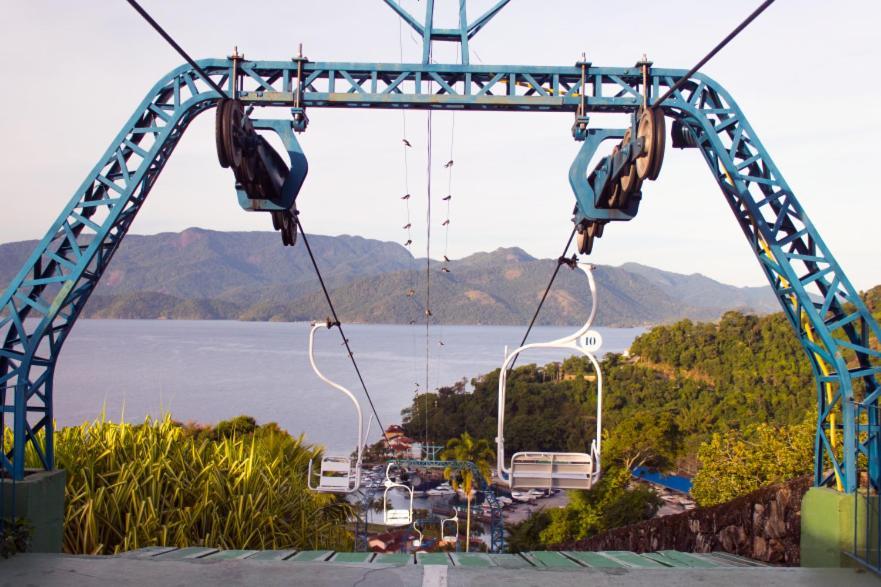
{"points": [[334, 483], [398, 517], [336, 465], [336, 475], [549, 470]]}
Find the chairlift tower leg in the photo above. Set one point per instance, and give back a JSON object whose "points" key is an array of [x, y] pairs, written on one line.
{"points": [[826, 312]]}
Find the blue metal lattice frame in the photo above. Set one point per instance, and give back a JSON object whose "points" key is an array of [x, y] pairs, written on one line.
{"points": [[833, 324]]}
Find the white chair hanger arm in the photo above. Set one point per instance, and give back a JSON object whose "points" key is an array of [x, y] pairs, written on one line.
{"points": [[337, 474], [585, 342]]}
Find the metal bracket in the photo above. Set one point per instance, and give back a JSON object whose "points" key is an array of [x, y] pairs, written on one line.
{"points": [[587, 189], [298, 112], [579, 127], [299, 167]]}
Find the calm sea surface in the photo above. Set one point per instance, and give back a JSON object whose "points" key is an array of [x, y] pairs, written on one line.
{"points": [[207, 371]]}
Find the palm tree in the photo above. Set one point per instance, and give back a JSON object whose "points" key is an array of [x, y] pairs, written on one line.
{"points": [[477, 451]]}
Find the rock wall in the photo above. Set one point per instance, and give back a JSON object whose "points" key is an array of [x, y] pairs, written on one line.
{"points": [[764, 525]]}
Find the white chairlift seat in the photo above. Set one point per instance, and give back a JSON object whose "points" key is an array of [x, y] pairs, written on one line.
{"points": [[454, 522], [555, 470], [552, 470], [336, 475], [392, 516], [417, 542], [397, 517]]}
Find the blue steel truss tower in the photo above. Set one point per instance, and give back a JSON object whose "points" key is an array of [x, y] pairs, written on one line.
{"points": [[839, 335], [430, 33]]}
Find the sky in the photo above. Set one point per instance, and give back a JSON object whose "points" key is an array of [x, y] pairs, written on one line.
{"points": [[803, 73]]}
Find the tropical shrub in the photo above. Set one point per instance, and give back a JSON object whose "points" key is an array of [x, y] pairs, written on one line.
{"points": [[159, 483]]}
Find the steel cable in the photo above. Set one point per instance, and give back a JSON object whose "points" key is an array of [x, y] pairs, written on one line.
{"points": [[427, 271], [177, 48], [560, 262], [712, 53], [339, 326]]}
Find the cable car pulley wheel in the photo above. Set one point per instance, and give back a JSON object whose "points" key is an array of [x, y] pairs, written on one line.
{"points": [[660, 142]]}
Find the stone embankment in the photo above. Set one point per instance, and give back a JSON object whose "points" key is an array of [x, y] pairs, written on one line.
{"points": [[764, 525]]}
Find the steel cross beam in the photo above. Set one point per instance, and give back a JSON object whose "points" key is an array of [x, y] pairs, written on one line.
{"points": [[833, 324], [441, 86]]}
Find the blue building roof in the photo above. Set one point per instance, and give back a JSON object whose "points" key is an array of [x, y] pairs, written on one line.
{"points": [[674, 482]]}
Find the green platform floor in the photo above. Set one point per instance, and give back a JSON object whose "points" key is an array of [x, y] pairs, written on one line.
{"points": [[528, 560], [195, 567]]}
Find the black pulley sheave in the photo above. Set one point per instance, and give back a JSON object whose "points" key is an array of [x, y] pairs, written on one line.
{"points": [[258, 168]]}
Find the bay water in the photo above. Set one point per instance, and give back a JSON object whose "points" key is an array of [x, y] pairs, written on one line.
{"points": [[207, 371]]}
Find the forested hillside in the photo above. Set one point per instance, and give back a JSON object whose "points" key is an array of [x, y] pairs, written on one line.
{"points": [[203, 275], [681, 383]]}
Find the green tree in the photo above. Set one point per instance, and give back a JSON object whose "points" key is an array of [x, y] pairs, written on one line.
{"points": [[610, 504], [735, 463], [642, 438], [477, 451], [526, 535]]}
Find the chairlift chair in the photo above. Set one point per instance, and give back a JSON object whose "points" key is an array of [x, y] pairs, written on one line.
{"points": [[337, 473], [417, 542], [396, 516], [454, 521], [555, 470]]}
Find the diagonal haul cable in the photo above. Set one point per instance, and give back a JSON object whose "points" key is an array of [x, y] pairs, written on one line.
{"points": [[560, 262], [220, 91], [339, 326], [177, 48], [712, 53]]}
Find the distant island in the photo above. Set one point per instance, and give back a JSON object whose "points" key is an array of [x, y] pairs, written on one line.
{"points": [[202, 274]]}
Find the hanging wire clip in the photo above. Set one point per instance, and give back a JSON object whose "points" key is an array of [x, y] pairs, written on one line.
{"points": [[570, 262]]}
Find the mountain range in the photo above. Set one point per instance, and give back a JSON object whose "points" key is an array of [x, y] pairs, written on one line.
{"points": [[204, 274]]}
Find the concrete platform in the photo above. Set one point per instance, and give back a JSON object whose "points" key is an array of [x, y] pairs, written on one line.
{"points": [[194, 567]]}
